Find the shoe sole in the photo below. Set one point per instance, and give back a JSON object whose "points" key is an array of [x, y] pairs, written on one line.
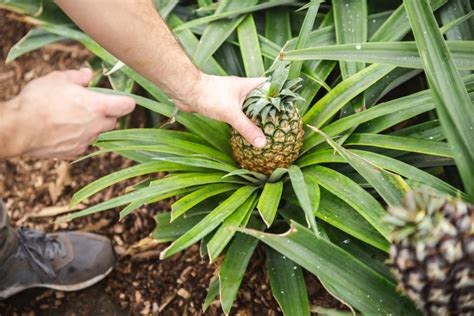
{"points": [[58, 287]]}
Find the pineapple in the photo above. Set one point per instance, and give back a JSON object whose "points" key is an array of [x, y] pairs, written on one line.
{"points": [[272, 108], [433, 252]]}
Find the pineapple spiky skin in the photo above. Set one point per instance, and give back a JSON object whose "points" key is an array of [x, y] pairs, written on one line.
{"points": [[284, 140], [272, 108], [432, 253]]}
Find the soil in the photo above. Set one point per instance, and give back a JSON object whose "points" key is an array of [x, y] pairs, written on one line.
{"points": [[36, 191]]}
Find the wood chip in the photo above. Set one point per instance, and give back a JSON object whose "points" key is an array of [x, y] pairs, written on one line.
{"points": [[118, 240], [96, 225], [155, 309], [183, 293], [146, 255], [51, 211], [166, 301], [7, 75], [138, 297], [63, 171], [146, 310], [144, 244]]}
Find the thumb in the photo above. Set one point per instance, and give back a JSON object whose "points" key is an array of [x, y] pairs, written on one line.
{"points": [[249, 130], [250, 84], [80, 77]]}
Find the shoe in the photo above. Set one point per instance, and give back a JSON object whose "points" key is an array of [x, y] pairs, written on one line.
{"points": [[67, 261]]}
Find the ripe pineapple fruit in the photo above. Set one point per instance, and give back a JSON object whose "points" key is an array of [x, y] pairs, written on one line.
{"points": [[433, 252], [272, 108]]}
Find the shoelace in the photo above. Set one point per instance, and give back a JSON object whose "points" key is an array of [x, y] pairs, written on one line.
{"points": [[39, 250]]}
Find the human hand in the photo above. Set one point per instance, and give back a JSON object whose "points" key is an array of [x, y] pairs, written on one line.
{"points": [[56, 116], [221, 98]]}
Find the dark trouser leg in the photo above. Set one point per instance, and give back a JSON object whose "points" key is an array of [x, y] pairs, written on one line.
{"points": [[8, 237]]}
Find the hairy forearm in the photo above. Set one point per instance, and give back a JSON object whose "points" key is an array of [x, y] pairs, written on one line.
{"points": [[11, 143], [134, 32]]}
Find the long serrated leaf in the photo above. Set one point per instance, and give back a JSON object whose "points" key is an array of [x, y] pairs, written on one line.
{"points": [[400, 54], [233, 268], [302, 193], [210, 222], [350, 17], [199, 162], [416, 104], [397, 25], [374, 258], [250, 47], [232, 14], [344, 275], [166, 231], [453, 104], [456, 29], [187, 202], [217, 32], [350, 21], [185, 141], [321, 37], [339, 214], [139, 203], [212, 292], [33, 40], [156, 188], [303, 36], [122, 146], [108, 180], [280, 32], [390, 186], [401, 143], [345, 91], [190, 43], [453, 10], [269, 201], [406, 170], [287, 284], [224, 234], [354, 195]]}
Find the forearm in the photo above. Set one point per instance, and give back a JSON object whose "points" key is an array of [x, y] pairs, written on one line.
{"points": [[11, 144], [134, 32]]}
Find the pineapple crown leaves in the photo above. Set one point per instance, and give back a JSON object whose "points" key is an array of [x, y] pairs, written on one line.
{"points": [[278, 94], [420, 216]]}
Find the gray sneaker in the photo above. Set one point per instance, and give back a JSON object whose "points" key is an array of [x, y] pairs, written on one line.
{"points": [[67, 261]]}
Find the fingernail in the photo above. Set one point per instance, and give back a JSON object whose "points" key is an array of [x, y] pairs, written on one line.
{"points": [[260, 142]]}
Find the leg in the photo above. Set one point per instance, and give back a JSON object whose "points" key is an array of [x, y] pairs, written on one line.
{"points": [[8, 236]]}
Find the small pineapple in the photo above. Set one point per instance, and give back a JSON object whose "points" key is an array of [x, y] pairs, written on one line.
{"points": [[432, 253], [272, 108]]}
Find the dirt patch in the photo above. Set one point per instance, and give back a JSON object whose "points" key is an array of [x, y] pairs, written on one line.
{"points": [[35, 64], [141, 283]]}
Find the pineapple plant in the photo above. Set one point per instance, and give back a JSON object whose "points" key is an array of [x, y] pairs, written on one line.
{"points": [[432, 253], [273, 108], [349, 165]]}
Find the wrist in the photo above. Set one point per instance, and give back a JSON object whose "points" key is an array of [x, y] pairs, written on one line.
{"points": [[12, 140], [191, 93]]}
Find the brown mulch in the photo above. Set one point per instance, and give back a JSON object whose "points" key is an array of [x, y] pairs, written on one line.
{"points": [[141, 283]]}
